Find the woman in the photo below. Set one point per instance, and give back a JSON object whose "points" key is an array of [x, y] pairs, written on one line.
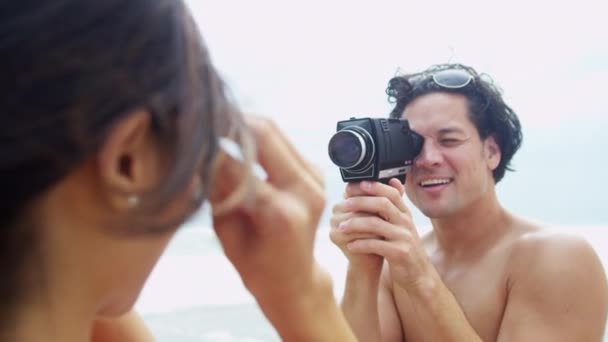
{"points": [[111, 114]]}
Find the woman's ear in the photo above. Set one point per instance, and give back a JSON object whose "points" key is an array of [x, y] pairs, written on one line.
{"points": [[492, 152], [129, 161]]}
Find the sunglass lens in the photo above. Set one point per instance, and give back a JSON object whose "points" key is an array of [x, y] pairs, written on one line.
{"points": [[453, 78]]}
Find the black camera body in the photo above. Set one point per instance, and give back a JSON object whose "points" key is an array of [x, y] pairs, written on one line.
{"points": [[376, 149]]}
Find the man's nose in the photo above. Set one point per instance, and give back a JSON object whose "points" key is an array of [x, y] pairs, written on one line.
{"points": [[429, 156]]}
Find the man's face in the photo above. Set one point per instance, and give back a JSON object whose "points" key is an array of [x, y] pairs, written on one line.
{"points": [[454, 169]]}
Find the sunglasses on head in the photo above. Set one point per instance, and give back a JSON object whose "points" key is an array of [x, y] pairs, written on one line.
{"points": [[451, 78]]}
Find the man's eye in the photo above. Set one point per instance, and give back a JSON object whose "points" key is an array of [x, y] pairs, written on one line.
{"points": [[449, 141]]}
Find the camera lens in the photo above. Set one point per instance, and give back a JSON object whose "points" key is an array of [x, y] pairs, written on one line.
{"points": [[348, 149]]}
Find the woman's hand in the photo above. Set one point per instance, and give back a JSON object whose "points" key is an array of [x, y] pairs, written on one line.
{"points": [[269, 237]]}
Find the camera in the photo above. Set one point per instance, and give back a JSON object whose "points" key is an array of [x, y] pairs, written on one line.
{"points": [[375, 149]]}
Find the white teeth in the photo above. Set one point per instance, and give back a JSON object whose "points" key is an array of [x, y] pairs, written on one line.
{"points": [[434, 182]]}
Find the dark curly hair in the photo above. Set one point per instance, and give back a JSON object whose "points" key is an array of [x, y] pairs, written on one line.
{"points": [[487, 109]]}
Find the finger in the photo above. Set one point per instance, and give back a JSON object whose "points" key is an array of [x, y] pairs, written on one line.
{"points": [[361, 236], [379, 206], [227, 194], [395, 183], [285, 168], [340, 208], [341, 214], [374, 226], [338, 218], [383, 248], [257, 196], [282, 162], [341, 238], [272, 211], [387, 191], [353, 189], [231, 234]]}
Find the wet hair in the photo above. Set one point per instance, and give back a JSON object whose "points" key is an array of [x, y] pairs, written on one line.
{"points": [[488, 112], [69, 71]]}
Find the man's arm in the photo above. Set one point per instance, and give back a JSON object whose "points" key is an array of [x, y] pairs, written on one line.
{"points": [[360, 304], [390, 322], [369, 307], [559, 293], [395, 238]]}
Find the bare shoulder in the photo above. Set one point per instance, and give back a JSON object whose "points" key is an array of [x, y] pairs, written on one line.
{"points": [[557, 289], [559, 271], [540, 252]]}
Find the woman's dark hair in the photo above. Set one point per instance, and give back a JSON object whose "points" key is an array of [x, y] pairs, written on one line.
{"points": [[69, 71], [487, 109]]}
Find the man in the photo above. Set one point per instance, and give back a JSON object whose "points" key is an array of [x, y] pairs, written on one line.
{"points": [[481, 274]]}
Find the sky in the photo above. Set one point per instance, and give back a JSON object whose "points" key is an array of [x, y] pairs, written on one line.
{"points": [[310, 64]]}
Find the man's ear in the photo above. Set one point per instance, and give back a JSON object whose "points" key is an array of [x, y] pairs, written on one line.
{"points": [[492, 152], [128, 162]]}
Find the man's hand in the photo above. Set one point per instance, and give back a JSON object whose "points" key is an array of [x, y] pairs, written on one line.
{"points": [[367, 302], [394, 236], [361, 263]]}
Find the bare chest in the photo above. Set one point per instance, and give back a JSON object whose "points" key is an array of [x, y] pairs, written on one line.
{"points": [[480, 290]]}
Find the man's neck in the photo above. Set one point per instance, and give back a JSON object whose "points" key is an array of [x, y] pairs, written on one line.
{"points": [[472, 230]]}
